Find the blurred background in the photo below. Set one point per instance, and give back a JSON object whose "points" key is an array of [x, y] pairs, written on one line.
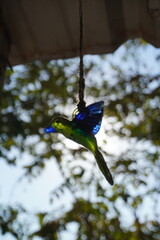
{"points": [[51, 188]]}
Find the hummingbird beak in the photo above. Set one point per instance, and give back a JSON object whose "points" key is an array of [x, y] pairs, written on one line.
{"points": [[50, 129]]}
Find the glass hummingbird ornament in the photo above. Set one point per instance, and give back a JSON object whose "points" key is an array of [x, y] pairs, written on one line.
{"points": [[81, 129]]}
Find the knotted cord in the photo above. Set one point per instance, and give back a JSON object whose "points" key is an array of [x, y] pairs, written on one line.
{"points": [[81, 82]]}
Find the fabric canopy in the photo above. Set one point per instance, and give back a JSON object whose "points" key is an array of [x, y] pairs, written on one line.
{"points": [[49, 29]]}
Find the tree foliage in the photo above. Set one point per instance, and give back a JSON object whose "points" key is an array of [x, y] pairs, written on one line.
{"points": [[34, 93]]}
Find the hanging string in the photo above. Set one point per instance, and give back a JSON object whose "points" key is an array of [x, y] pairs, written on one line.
{"points": [[81, 82]]}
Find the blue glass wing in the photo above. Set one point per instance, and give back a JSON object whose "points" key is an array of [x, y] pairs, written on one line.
{"points": [[90, 118]]}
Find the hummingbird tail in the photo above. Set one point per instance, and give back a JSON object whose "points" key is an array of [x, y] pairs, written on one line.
{"points": [[103, 166]]}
